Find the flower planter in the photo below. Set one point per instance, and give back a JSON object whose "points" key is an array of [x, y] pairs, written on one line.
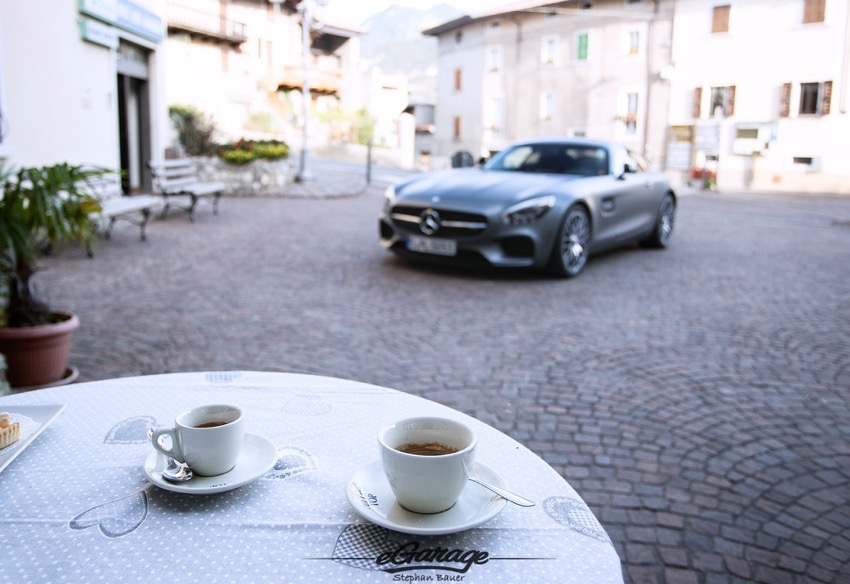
{"points": [[38, 355]]}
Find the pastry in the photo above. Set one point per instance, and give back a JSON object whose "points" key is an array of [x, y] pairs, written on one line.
{"points": [[10, 432]]}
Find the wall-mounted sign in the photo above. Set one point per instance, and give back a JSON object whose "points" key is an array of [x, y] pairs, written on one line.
{"points": [[99, 33], [126, 15]]}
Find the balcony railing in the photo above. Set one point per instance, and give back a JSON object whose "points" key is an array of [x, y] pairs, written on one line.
{"points": [[323, 81], [205, 24]]}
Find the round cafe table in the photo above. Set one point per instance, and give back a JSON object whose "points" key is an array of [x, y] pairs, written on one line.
{"points": [[81, 498]]}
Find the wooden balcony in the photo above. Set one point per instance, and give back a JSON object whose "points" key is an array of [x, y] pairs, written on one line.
{"points": [[207, 26]]}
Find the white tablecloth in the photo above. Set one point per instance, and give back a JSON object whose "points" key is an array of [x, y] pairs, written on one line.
{"points": [[75, 505]]}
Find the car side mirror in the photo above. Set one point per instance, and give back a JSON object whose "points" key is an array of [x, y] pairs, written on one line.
{"points": [[627, 169]]}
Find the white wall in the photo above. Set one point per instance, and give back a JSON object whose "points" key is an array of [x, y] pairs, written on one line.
{"points": [[766, 46], [59, 91]]}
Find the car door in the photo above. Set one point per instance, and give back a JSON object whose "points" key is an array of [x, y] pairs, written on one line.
{"points": [[629, 204]]}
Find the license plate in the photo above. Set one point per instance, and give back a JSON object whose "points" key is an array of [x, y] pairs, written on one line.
{"points": [[443, 247]]}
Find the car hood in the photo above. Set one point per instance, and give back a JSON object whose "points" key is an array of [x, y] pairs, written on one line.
{"points": [[470, 185]]}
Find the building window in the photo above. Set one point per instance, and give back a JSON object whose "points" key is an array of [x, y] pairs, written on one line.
{"points": [[809, 98], [495, 115], [722, 101], [547, 105], [548, 50], [494, 58], [456, 129], [631, 113], [815, 98], [634, 42], [458, 79], [814, 11], [458, 37], [720, 18], [582, 51]]}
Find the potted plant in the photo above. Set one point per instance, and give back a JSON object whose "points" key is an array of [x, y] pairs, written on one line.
{"points": [[40, 207]]}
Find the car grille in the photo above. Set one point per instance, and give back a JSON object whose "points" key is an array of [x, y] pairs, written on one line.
{"points": [[452, 223]]}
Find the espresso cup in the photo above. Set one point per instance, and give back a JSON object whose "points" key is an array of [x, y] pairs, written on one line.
{"points": [[427, 461], [208, 439]]}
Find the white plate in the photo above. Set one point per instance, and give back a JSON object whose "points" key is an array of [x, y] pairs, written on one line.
{"points": [[371, 497], [34, 419], [258, 457]]}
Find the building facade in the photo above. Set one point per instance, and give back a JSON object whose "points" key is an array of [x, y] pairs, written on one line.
{"points": [[749, 94], [82, 82], [534, 69], [759, 93]]}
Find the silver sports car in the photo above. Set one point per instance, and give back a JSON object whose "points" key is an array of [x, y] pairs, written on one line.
{"points": [[545, 204]]}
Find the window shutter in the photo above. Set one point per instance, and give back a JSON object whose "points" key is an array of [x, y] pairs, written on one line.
{"points": [[720, 19], [826, 98], [814, 11], [785, 101], [729, 110], [697, 108]]}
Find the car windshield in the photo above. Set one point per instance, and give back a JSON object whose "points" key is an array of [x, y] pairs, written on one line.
{"points": [[552, 158]]}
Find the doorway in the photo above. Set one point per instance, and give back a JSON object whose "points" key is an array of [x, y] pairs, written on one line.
{"points": [[134, 118]]}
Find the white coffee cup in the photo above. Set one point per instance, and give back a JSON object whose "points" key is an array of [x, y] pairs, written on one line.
{"points": [[433, 482], [208, 439]]}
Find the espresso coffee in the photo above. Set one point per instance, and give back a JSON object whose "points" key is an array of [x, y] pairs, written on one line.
{"points": [[210, 425], [427, 449]]}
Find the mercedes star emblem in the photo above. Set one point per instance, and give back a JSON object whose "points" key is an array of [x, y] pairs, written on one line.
{"points": [[429, 222]]}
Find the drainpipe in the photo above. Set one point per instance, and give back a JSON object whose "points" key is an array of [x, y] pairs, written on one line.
{"points": [[649, 54]]}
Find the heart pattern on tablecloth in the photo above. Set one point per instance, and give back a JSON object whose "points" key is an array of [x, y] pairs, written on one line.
{"points": [[576, 515], [306, 405], [114, 519], [130, 431], [291, 461], [359, 545]]}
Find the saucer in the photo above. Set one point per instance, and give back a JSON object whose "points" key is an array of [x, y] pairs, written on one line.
{"points": [[371, 497], [258, 457]]}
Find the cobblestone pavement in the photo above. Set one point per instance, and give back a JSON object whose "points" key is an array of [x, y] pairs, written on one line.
{"points": [[696, 397]]}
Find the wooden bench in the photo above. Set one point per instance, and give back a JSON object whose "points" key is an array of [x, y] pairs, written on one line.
{"points": [[178, 180], [115, 206]]}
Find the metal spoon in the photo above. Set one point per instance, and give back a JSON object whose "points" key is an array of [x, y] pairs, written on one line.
{"points": [[504, 494], [175, 472]]}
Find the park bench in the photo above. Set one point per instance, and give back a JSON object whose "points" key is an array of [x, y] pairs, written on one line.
{"points": [[115, 206], [178, 180]]}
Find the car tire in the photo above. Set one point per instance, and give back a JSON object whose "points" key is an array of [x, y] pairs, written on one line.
{"points": [[662, 233], [571, 249]]}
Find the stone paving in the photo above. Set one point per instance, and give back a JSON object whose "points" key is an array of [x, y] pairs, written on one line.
{"points": [[696, 397]]}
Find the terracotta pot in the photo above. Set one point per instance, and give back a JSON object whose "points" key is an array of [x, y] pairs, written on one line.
{"points": [[38, 355]]}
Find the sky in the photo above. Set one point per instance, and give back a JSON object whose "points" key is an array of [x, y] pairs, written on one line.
{"points": [[359, 10]]}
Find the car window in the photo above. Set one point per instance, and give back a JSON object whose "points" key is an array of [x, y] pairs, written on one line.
{"points": [[552, 158]]}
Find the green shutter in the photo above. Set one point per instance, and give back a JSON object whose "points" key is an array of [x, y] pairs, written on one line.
{"points": [[581, 49]]}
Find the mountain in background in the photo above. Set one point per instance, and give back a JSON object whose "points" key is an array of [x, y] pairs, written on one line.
{"points": [[394, 43]]}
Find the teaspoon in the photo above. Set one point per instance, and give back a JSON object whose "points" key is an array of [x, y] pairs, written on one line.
{"points": [[175, 472], [503, 493]]}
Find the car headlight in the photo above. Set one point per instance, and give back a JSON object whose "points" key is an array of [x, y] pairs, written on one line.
{"points": [[528, 211], [389, 198]]}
